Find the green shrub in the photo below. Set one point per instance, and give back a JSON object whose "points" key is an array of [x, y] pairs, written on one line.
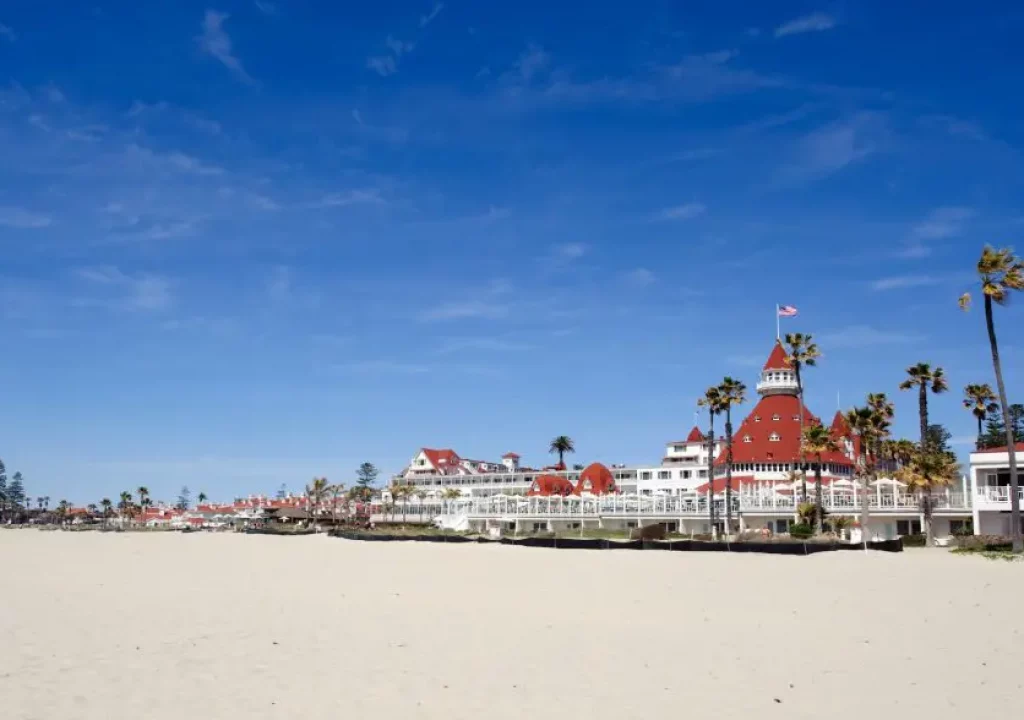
{"points": [[801, 531], [914, 541], [979, 543]]}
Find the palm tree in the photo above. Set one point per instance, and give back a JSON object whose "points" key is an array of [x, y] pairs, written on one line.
{"points": [[62, 511], [871, 424], [315, 493], [1001, 273], [200, 498], [712, 400], [91, 507], [562, 444], [143, 493], [817, 441], [803, 352], [730, 392], [125, 506], [451, 493], [924, 378], [107, 507], [981, 401], [337, 491], [39, 503], [927, 469]]}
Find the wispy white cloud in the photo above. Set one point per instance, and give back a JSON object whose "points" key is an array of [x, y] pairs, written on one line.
{"points": [[359, 196], [640, 278], [141, 292], [858, 336], [215, 42], [488, 344], [531, 61], [833, 147], [570, 251], [942, 223], [815, 22], [687, 211], [901, 282], [7, 33], [429, 18], [385, 65], [381, 367], [465, 310], [21, 219]]}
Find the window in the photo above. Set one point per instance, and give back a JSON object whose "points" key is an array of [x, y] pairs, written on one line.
{"points": [[746, 439], [686, 474], [757, 418], [645, 475], [678, 448], [664, 475], [775, 416], [796, 418], [774, 437], [908, 527]]}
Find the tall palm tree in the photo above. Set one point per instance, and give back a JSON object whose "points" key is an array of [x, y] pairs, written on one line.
{"points": [[981, 401], [818, 440], [200, 498], [451, 493], [315, 493], [143, 493], [803, 352], [62, 511], [562, 444], [730, 392], [337, 491], [39, 503], [125, 506], [91, 507], [924, 378], [1001, 274], [712, 400], [872, 427], [107, 507], [926, 470]]}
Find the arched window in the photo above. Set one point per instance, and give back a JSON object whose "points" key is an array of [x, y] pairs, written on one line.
{"points": [[746, 439], [757, 418], [775, 416], [774, 437]]}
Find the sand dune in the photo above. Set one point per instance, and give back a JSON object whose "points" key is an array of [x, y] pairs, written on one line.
{"points": [[214, 626]]}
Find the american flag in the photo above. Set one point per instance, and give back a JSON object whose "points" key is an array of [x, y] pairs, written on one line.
{"points": [[787, 311]]}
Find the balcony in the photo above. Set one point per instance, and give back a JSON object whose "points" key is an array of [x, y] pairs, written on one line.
{"points": [[996, 495]]}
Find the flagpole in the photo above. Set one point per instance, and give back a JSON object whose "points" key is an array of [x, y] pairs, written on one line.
{"points": [[778, 326]]}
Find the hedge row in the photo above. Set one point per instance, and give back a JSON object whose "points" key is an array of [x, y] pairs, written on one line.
{"points": [[777, 548]]}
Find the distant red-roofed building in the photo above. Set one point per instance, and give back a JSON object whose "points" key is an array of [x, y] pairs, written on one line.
{"points": [[547, 485]]}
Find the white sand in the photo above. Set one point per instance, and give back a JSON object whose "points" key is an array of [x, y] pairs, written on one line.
{"points": [[161, 626]]}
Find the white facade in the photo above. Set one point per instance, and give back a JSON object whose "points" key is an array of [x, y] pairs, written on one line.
{"points": [[990, 483]]}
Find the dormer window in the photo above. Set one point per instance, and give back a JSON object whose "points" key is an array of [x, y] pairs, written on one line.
{"points": [[796, 418], [774, 437], [746, 439], [757, 418], [775, 416]]}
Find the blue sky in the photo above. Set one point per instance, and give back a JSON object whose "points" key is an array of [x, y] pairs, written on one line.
{"points": [[249, 242]]}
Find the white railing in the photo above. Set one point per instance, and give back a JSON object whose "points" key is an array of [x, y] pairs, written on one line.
{"points": [[690, 506], [997, 493]]}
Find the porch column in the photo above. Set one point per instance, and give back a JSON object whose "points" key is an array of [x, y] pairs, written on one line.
{"points": [[972, 497]]}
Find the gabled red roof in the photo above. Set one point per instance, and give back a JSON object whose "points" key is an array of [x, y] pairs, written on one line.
{"points": [[442, 459], [841, 428], [761, 448], [695, 435], [546, 485], [510, 455], [595, 479], [777, 360]]}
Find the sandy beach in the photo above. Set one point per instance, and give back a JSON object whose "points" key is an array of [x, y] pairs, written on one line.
{"points": [[165, 626]]}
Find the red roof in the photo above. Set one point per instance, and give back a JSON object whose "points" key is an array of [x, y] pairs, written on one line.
{"points": [[753, 442], [546, 485], [442, 459], [510, 455], [595, 479], [777, 360], [841, 428], [695, 435], [1018, 448]]}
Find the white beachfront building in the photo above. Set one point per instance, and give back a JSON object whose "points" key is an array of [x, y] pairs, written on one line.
{"points": [[990, 480], [765, 483]]}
